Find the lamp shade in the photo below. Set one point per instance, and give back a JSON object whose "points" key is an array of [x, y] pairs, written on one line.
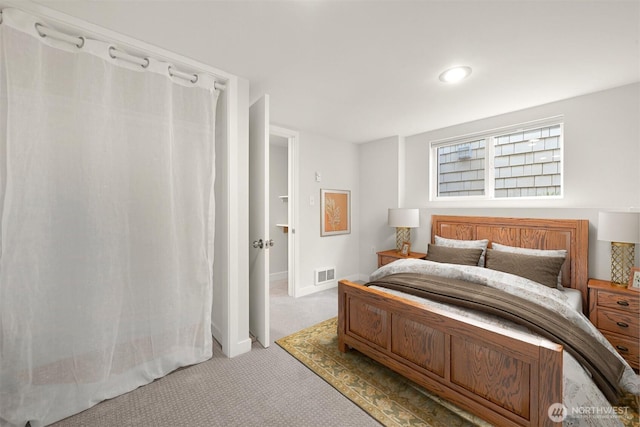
{"points": [[623, 227], [402, 217]]}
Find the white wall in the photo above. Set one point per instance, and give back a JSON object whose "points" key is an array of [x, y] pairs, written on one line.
{"points": [[602, 154], [601, 142], [278, 186], [337, 162], [379, 189]]}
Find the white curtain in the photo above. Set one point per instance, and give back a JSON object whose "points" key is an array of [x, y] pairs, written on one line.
{"points": [[106, 203]]}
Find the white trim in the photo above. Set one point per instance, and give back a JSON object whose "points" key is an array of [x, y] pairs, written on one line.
{"points": [[309, 290], [499, 131], [360, 277], [230, 347], [280, 275]]}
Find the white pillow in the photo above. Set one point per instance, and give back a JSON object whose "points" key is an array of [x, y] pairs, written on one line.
{"points": [[560, 253], [454, 243]]}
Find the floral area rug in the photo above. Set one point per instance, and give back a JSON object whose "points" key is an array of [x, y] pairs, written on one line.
{"points": [[386, 396]]}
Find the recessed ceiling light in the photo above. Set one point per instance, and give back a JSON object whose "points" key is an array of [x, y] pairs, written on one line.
{"points": [[455, 74]]}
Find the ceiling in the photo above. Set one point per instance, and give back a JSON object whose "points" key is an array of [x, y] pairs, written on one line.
{"points": [[357, 71]]}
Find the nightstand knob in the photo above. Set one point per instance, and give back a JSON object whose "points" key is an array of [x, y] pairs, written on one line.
{"points": [[622, 348], [622, 324], [624, 303]]}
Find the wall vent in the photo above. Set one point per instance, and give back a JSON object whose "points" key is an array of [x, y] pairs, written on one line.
{"points": [[325, 275]]}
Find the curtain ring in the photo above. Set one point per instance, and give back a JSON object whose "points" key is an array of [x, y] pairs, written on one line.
{"points": [[146, 64], [38, 25], [169, 71], [111, 49], [81, 44], [195, 79]]}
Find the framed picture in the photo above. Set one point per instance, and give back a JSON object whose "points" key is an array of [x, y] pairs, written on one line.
{"points": [[634, 278], [336, 212], [406, 249]]}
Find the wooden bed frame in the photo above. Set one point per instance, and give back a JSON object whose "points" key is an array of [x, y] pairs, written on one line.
{"points": [[504, 378]]}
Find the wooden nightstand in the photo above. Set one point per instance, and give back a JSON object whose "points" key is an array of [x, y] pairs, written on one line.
{"points": [[615, 312], [385, 257]]}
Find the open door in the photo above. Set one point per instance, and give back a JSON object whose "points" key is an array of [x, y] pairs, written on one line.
{"points": [[259, 220]]}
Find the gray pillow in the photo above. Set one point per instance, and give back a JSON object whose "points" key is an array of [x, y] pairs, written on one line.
{"points": [[541, 269], [455, 243], [560, 253], [462, 256]]}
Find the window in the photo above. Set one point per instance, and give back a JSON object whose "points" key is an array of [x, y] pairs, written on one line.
{"points": [[515, 162]]}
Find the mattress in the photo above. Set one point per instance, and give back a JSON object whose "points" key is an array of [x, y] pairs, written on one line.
{"points": [[574, 298]]}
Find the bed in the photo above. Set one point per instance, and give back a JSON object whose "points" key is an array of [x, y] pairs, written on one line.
{"points": [[505, 375]]}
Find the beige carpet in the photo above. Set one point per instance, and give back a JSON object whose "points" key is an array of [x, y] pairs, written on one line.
{"points": [[385, 395]]}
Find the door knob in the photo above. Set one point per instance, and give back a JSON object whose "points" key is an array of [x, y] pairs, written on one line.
{"points": [[269, 243], [258, 244]]}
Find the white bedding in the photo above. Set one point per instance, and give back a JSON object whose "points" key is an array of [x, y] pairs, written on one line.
{"points": [[574, 298], [585, 403]]}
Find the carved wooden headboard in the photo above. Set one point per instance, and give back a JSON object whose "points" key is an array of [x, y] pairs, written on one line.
{"points": [[569, 234]]}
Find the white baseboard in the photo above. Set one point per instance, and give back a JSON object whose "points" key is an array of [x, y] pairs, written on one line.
{"points": [[308, 290], [280, 275], [360, 278], [356, 277], [216, 333], [241, 347]]}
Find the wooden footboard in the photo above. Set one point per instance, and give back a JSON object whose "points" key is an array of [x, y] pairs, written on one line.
{"points": [[506, 379]]}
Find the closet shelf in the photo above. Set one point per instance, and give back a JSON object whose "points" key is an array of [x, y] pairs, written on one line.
{"points": [[285, 227], [284, 198]]}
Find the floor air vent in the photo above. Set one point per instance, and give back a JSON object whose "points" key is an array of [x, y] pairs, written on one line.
{"points": [[325, 275]]}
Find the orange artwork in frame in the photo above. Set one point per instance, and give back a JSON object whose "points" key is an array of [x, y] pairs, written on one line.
{"points": [[336, 212]]}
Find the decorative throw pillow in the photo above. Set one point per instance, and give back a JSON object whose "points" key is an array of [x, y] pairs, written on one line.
{"points": [[455, 243], [541, 269], [560, 253], [462, 256]]}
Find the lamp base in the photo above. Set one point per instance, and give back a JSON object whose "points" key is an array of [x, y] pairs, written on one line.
{"points": [[403, 234], [622, 258]]}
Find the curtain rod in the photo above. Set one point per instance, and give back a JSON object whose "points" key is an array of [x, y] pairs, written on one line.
{"points": [[78, 41]]}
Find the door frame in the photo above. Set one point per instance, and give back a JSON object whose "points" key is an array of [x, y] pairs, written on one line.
{"points": [[293, 139]]}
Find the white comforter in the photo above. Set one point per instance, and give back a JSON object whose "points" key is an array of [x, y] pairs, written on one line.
{"points": [[585, 404]]}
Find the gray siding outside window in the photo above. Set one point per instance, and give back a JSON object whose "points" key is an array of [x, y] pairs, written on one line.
{"points": [[527, 164], [461, 169], [524, 163]]}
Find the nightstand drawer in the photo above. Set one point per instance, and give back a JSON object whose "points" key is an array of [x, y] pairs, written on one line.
{"points": [[618, 302], [618, 322], [384, 260], [628, 348]]}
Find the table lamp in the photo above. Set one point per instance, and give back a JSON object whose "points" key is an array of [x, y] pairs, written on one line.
{"points": [[622, 229], [403, 219]]}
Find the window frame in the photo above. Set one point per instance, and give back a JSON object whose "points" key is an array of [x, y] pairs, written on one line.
{"points": [[490, 137]]}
